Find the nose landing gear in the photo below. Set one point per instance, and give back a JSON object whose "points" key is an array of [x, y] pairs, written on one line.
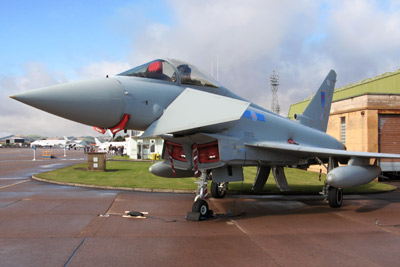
{"points": [[201, 207]]}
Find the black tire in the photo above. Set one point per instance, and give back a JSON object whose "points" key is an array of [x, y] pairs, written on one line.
{"points": [[335, 197], [217, 191], [201, 206]]}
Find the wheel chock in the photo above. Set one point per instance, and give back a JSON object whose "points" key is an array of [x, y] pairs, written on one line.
{"points": [[135, 214], [193, 216]]}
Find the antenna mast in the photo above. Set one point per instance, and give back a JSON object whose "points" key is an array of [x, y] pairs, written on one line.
{"points": [[274, 79]]}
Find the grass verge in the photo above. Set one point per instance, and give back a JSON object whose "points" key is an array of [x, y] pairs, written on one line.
{"points": [[136, 175]]}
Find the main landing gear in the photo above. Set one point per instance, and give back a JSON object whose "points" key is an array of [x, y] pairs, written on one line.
{"points": [[218, 190], [334, 196]]}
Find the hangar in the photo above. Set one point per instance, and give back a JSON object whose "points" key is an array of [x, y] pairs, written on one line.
{"points": [[13, 140], [365, 116]]}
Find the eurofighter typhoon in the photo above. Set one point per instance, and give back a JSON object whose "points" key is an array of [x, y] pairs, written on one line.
{"points": [[209, 132]]}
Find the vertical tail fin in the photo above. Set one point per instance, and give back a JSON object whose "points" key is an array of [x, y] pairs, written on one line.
{"points": [[98, 143], [316, 114]]}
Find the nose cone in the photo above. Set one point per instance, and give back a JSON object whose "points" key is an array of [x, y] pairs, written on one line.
{"points": [[95, 102]]}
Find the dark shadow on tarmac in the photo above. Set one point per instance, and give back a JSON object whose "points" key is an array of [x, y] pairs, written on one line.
{"points": [[247, 206]]}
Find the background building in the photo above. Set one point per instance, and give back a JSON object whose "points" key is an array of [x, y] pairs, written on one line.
{"points": [[144, 148], [365, 116], [13, 141]]}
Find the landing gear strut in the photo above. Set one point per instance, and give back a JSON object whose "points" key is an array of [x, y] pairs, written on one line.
{"points": [[201, 191], [218, 190]]}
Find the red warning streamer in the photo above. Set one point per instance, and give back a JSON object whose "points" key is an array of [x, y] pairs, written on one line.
{"points": [[196, 161], [169, 149]]}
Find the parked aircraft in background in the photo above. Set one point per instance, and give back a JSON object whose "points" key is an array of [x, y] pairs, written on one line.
{"points": [[76, 144], [210, 132], [105, 146], [50, 143], [65, 142]]}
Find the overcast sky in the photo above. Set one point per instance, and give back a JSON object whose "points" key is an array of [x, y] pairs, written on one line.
{"points": [[48, 42]]}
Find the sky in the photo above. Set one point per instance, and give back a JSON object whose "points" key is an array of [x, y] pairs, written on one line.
{"points": [[48, 42]]}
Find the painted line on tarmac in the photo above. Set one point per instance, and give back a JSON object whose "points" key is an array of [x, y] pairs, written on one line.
{"points": [[176, 191], [49, 166], [76, 250], [37, 160], [2, 187], [11, 178], [27, 160]]}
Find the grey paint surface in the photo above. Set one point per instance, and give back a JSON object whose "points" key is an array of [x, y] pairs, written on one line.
{"points": [[216, 110], [95, 102]]}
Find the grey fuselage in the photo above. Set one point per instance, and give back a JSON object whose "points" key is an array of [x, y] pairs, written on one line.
{"points": [[146, 100], [104, 102]]}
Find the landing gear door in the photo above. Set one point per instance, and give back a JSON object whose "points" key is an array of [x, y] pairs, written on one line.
{"points": [[227, 174]]}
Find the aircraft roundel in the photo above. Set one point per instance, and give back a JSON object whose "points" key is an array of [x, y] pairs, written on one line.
{"points": [[323, 99], [253, 116]]}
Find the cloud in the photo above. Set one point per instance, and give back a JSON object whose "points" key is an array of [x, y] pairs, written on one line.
{"points": [[101, 69], [364, 37], [250, 40], [300, 40], [19, 118]]}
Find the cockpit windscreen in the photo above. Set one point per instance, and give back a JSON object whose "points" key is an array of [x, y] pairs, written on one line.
{"points": [[163, 70], [192, 75], [158, 69]]}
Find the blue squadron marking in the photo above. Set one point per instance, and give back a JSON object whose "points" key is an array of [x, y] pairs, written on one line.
{"points": [[254, 116]]}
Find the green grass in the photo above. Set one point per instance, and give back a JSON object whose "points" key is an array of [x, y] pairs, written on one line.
{"points": [[124, 157], [118, 174], [136, 175]]}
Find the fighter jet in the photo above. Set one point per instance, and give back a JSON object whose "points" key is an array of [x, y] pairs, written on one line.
{"points": [[210, 132]]}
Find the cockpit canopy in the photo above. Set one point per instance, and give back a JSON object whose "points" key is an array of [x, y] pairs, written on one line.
{"points": [[172, 70]]}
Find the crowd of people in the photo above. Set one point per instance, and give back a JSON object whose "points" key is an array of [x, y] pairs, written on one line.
{"points": [[114, 150]]}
